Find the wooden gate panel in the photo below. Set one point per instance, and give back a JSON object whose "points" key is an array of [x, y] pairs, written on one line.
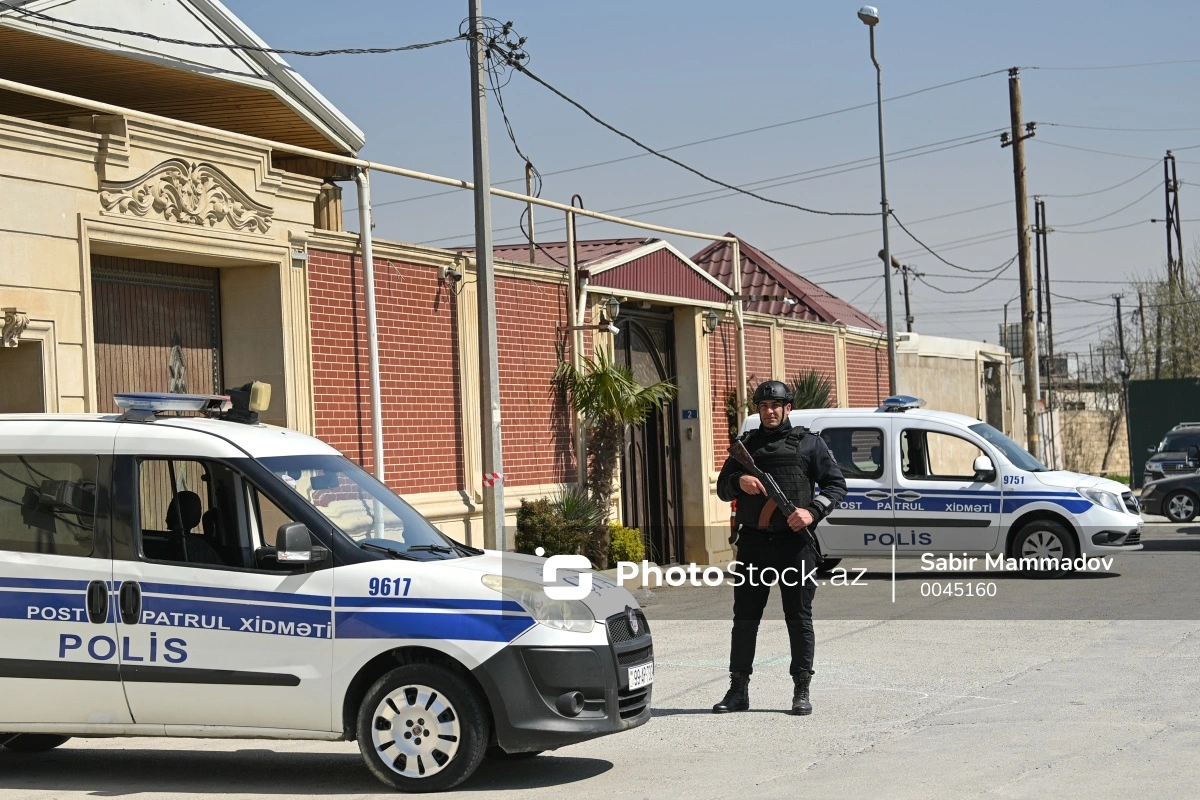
{"points": [[157, 328]]}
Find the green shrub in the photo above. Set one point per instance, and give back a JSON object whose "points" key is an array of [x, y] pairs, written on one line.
{"points": [[541, 524], [626, 543]]}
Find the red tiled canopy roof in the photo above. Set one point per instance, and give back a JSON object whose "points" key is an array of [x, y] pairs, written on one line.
{"points": [[763, 275]]}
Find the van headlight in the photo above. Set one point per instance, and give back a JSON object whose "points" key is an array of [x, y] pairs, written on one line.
{"points": [[563, 615], [1102, 498]]}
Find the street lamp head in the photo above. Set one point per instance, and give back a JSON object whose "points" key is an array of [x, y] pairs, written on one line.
{"points": [[869, 15]]}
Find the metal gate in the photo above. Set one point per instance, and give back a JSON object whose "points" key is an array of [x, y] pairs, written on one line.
{"points": [[157, 328], [650, 491]]}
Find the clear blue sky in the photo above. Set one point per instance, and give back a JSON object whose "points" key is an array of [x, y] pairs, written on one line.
{"points": [[673, 72]]}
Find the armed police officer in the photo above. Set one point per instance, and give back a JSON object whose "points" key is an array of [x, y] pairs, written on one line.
{"points": [[785, 546]]}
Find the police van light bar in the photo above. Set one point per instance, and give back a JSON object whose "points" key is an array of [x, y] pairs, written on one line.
{"points": [[154, 402], [902, 402]]}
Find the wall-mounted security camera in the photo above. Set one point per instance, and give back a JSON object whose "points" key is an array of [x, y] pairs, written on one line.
{"points": [[451, 274], [613, 329]]}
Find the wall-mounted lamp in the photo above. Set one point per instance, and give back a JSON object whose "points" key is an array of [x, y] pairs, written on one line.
{"points": [[15, 323], [710, 320], [612, 306]]}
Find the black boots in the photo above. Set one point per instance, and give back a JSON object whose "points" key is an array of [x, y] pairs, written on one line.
{"points": [[800, 702], [738, 696]]}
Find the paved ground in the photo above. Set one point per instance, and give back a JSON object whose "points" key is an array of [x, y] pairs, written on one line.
{"points": [[905, 708]]}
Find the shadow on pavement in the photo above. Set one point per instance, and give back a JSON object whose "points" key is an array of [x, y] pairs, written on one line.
{"points": [[113, 772]]}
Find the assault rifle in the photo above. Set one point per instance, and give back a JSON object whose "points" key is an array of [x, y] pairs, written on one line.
{"points": [[774, 493]]}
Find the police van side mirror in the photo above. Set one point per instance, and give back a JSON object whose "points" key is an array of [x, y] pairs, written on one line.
{"points": [[294, 545], [984, 469]]}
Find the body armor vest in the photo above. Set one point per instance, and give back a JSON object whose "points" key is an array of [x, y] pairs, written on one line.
{"points": [[777, 454]]}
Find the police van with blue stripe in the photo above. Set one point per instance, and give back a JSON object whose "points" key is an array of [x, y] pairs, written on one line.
{"points": [[173, 575], [926, 481]]}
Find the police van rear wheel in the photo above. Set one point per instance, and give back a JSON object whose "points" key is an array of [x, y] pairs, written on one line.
{"points": [[422, 728], [1044, 539], [35, 742]]}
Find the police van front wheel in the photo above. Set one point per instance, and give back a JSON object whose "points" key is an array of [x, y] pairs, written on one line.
{"points": [[34, 742], [422, 728], [1043, 539]]}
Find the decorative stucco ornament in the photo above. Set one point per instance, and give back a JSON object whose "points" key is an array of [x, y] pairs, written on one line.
{"points": [[194, 194], [15, 323]]}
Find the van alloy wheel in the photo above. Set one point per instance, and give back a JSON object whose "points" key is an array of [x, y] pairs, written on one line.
{"points": [[416, 730]]}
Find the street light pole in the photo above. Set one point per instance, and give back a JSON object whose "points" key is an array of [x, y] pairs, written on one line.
{"points": [[870, 17]]}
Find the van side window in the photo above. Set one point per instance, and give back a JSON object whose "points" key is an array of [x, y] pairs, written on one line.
{"points": [[858, 451], [48, 504], [932, 455]]}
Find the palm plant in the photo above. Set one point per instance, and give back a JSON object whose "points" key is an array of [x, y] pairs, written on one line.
{"points": [[811, 389], [608, 397]]}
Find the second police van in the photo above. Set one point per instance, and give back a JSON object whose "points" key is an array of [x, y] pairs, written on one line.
{"points": [[936, 482], [187, 576]]}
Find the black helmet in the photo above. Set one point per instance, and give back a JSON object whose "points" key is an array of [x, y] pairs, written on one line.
{"points": [[773, 390]]}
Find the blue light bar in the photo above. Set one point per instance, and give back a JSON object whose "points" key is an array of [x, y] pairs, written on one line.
{"points": [[165, 401], [902, 402]]}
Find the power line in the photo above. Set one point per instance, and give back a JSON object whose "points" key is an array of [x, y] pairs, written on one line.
{"points": [[920, 276], [1106, 230], [766, 183], [954, 244], [248, 48], [1118, 130], [1111, 213], [1099, 191], [514, 58], [1119, 66], [710, 139], [939, 257], [1109, 152]]}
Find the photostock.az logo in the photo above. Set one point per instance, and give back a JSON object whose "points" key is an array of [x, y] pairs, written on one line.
{"points": [[575, 563]]}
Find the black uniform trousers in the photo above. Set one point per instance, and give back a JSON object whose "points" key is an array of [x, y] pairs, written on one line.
{"points": [[774, 552]]}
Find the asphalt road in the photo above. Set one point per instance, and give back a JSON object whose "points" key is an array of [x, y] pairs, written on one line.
{"points": [[1069, 705]]}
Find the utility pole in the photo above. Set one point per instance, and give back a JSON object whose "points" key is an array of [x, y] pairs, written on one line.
{"points": [[489, 371], [1123, 369], [529, 211], [1041, 230], [1029, 351], [904, 269], [1145, 340], [1174, 253]]}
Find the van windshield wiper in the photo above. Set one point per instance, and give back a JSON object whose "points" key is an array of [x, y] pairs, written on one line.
{"points": [[432, 548], [387, 549]]}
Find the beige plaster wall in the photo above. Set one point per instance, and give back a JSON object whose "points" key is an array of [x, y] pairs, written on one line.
{"points": [[53, 219]]}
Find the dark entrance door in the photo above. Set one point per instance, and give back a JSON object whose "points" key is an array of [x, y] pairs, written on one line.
{"points": [[157, 328], [650, 490]]}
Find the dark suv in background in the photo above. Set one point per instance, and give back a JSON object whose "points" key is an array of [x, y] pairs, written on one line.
{"points": [[1177, 454]]}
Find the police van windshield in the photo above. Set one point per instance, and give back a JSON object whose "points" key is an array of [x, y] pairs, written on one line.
{"points": [[1016, 454], [358, 504]]}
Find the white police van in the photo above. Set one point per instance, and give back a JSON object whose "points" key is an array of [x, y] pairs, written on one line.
{"points": [[936, 482], [188, 576]]}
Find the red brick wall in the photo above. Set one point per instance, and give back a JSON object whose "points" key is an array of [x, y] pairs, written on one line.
{"points": [[758, 354], [536, 424], [722, 367], [417, 366], [866, 375], [803, 351]]}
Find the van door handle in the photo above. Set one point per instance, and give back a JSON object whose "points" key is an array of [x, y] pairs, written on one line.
{"points": [[97, 602], [130, 599], [909, 495], [876, 494]]}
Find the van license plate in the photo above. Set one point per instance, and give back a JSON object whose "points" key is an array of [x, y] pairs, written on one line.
{"points": [[641, 675]]}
